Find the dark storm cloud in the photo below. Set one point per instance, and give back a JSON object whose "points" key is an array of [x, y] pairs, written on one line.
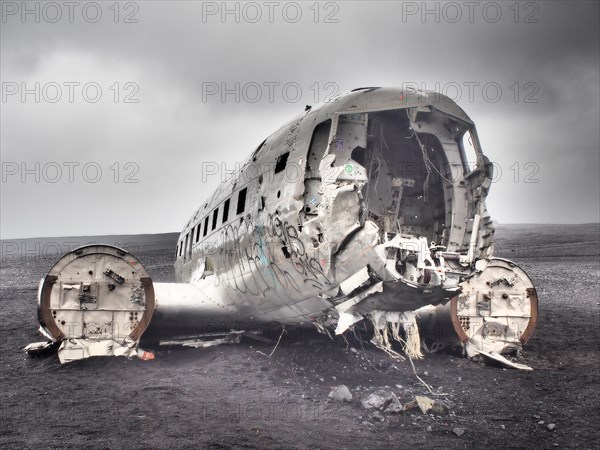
{"points": [[171, 54]]}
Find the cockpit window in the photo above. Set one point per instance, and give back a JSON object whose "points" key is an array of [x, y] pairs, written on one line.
{"points": [[468, 150], [255, 153]]}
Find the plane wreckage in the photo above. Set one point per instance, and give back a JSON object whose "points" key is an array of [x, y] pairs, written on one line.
{"points": [[371, 206]]}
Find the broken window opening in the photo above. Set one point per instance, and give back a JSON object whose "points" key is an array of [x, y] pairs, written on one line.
{"points": [[205, 227], [407, 174], [316, 150], [281, 162], [189, 248], [358, 155], [214, 219], [208, 267], [312, 177], [255, 153], [225, 210], [468, 151], [241, 203], [198, 232]]}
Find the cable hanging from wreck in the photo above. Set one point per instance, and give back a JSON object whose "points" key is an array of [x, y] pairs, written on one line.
{"points": [[427, 162]]}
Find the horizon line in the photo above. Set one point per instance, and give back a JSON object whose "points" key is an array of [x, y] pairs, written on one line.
{"points": [[179, 232]]}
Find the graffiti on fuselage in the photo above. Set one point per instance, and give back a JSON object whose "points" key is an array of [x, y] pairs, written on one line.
{"points": [[254, 259], [310, 268]]}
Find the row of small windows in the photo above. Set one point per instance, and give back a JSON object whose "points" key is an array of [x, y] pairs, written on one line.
{"points": [[241, 205], [194, 235]]}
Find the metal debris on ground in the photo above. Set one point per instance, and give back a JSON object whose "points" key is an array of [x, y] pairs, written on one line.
{"points": [[234, 337], [504, 361], [428, 405]]}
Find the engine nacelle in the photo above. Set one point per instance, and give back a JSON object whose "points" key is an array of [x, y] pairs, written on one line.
{"points": [[98, 300], [496, 312]]}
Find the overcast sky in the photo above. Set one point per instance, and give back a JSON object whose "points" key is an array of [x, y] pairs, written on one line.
{"points": [[109, 114]]}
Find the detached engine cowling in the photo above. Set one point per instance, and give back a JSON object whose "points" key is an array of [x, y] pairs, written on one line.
{"points": [[97, 300]]}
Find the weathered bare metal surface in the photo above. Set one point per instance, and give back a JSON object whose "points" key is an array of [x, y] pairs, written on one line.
{"points": [[366, 207], [97, 299]]}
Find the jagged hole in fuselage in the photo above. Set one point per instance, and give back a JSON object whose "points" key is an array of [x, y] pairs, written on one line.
{"points": [[398, 171]]}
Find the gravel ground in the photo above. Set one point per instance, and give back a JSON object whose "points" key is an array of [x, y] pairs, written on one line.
{"points": [[234, 396]]}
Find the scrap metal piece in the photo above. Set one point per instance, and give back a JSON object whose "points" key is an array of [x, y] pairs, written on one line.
{"points": [[115, 276], [437, 406], [234, 337], [74, 349], [40, 348], [506, 362], [88, 293]]}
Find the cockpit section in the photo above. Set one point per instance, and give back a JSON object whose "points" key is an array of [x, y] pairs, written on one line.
{"points": [[415, 174], [407, 178]]}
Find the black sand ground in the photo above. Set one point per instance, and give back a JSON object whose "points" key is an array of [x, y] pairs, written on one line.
{"points": [[235, 397]]}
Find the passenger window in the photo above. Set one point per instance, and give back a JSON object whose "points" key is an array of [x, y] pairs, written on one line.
{"points": [[214, 220], [205, 226], [225, 210], [198, 231], [241, 203]]}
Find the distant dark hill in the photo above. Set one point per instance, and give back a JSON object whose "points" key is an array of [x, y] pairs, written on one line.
{"points": [[512, 241], [56, 246]]}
